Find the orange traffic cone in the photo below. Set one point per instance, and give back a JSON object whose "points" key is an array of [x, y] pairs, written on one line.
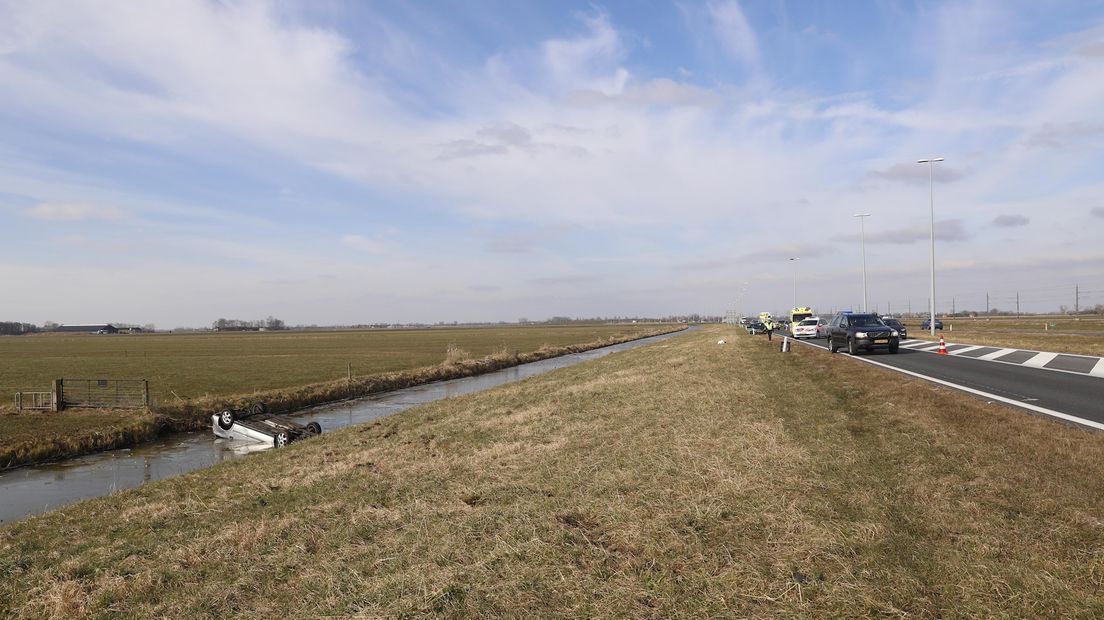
{"points": [[942, 346]]}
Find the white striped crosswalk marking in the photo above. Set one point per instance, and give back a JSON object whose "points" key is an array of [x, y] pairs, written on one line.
{"points": [[1098, 370], [1040, 360], [996, 354], [966, 349]]}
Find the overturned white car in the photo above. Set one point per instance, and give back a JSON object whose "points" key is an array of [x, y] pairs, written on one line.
{"points": [[257, 425]]}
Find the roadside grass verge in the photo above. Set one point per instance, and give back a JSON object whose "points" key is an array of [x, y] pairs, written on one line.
{"points": [[1079, 337], [35, 436], [31, 437], [684, 479]]}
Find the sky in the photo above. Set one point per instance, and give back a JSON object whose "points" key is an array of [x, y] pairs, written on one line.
{"points": [[327, 162]]}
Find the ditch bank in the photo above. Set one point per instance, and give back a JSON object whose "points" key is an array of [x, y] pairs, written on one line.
{"points": [[195, 414]]}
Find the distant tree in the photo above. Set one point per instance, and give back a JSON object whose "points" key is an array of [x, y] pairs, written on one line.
{"points": [[12, 328], [49, 326]]}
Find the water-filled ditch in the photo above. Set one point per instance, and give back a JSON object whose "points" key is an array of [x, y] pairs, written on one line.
{"points": [[39, 488]]}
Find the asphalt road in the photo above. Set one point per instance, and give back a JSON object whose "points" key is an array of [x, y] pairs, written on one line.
{"points": [[1081, 396]]}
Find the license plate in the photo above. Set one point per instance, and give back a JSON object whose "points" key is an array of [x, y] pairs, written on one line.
{"points": [[881, 340]]}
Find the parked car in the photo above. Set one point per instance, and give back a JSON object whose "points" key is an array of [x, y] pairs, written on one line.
{"points": [[857, 332], [897, 325], [806, 328], [927, 324], [755, 327]]}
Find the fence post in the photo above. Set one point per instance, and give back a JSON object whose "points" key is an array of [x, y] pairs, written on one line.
{"points": [[19, 400], [57, 404], [145, 392]]}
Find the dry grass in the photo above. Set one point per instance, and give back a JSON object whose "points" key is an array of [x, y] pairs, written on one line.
{"points": [[1062, 335], [684, 479], [34, 436]]}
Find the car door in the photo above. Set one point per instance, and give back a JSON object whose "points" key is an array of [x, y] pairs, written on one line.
{"points": [[834, 329]]}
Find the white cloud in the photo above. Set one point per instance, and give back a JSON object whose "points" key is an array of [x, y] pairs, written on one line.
{"points": [[364, 244], [72, 212], [559, 134], [734, 32], [587, 61]]}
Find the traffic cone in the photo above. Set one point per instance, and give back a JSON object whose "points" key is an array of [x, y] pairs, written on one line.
{"points": [[942, 346]]}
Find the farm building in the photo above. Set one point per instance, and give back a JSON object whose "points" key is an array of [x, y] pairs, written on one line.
{"points": [[104, 328]]}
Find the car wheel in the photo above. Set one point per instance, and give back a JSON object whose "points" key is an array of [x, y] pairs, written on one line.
{"points": [[258, 408], [226, 419], [851, 347], [280, 440], [314, 428], [893, 348]]}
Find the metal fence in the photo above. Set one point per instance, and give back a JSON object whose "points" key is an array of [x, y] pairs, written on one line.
{"points": [[34, 400], [113, 393]]}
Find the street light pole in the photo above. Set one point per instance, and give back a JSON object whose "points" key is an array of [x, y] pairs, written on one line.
{"points": [[792, 260], [931, 200], [862, 240]]}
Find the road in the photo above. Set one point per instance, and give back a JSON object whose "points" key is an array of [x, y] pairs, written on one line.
{"points": [[1080, 396]]}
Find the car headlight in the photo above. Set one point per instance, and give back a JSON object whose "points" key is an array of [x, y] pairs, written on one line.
{"points": [[893, 332], [860, 334]]}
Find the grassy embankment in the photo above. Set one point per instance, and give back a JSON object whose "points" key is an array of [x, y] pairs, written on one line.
{"points": [[1080, 337], [289, 371], [682, 479]]}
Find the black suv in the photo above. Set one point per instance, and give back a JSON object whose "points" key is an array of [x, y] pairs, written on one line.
{"points": [[902, 331], [861, 331]]}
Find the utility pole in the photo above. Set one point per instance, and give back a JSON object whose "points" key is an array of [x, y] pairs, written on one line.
{"points": [[889, 308], [954, 311], [1076, 298], [910, 306], [931, 202], [862, 237], [986, 303], [1017, 303]]}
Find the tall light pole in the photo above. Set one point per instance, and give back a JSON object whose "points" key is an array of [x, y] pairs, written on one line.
{"points": [[931, 199], [794, 259], [862, 240]]}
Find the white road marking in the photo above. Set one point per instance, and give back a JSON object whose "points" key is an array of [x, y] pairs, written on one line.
{"points": [[1098, 370], [970, 348], [1040, 360], [1008, 401], [995, 354], [921, 344]]}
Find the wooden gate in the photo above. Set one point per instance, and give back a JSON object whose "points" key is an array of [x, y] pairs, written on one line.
{"points": [[107, 393]]}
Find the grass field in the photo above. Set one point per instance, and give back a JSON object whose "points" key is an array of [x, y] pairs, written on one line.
{"points": [[684, 479], [195, 365], [396, 359], [1062, 334]]}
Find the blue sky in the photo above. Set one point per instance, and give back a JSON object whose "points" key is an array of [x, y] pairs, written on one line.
{"points": [[342, 162]]}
